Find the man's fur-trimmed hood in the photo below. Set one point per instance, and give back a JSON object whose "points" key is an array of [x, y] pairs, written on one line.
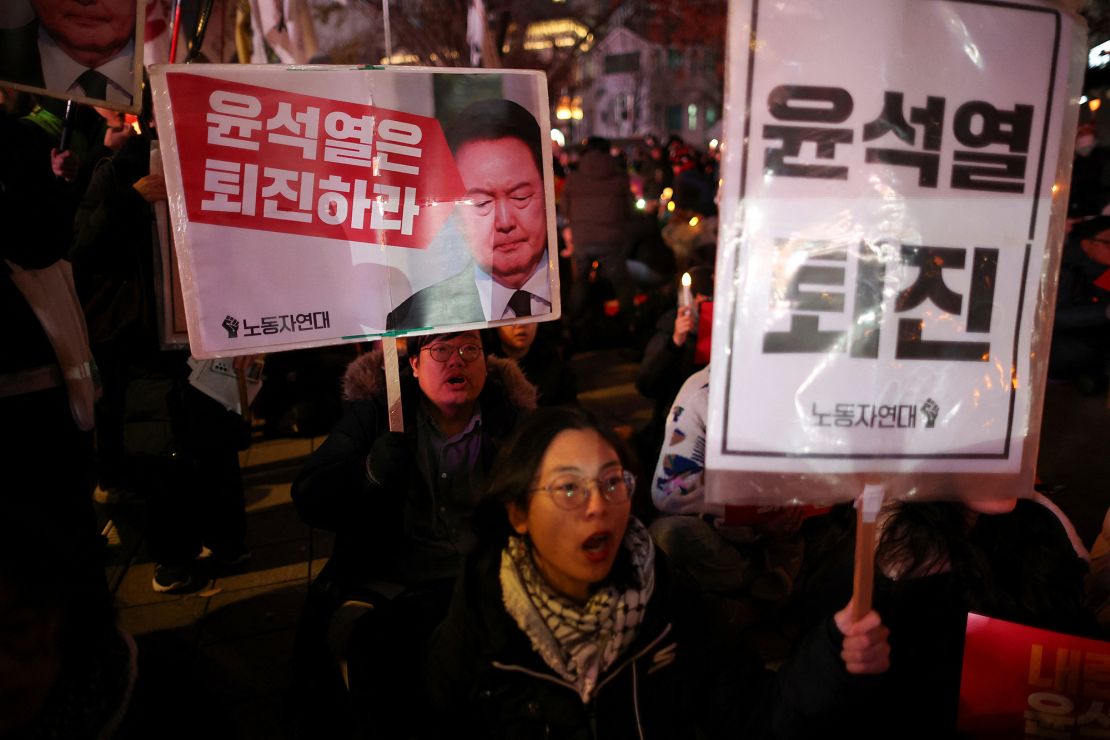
{"points": [[364, 379]]}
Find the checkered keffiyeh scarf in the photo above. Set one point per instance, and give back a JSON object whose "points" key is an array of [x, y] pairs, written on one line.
{"points": [[578, 641]]}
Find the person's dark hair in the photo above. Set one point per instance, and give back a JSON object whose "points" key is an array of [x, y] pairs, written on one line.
{"points": [[495, 118], [514, 471], [924, 537], [701, 280], [597, 144]]}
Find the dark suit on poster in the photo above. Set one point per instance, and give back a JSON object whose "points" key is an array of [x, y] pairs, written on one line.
{"points": [[451, 301], [19, 55]]}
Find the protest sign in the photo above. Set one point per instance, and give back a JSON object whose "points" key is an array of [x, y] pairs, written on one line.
{"points": [[319, 205], [173, 332], [84, 51], [1020, 681], [889, 242]]}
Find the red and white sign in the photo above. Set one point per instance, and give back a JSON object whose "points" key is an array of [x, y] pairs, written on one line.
{"points": [[274, 160], [320, 205], [1025, 682]]}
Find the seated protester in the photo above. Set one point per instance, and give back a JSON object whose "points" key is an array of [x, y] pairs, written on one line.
{"points": [[567, 623], [400, 506], [534, 348], [1081, 327], [651, 263], [735, 562], [935, 562]]}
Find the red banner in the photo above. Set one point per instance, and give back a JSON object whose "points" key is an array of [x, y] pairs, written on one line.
{"points": [[1025, 682], [257, 158]]}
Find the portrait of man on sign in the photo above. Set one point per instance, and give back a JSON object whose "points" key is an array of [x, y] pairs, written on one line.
{"points": [[74, 48], [497, 148]]}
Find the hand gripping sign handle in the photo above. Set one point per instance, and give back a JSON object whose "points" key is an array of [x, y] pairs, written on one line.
{"points": [[393, 384], [867, 511]]}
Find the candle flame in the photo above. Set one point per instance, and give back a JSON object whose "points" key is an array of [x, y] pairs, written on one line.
{"points": [[686, 281]]}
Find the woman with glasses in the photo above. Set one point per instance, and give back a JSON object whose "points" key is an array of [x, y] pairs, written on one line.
{"points": [[399, 504], [568, 623]]}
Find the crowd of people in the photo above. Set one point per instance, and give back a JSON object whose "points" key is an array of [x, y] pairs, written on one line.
{"points": [[506, 566]]}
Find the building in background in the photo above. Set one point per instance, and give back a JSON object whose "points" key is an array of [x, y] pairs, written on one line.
{"points": [[657, 71]]}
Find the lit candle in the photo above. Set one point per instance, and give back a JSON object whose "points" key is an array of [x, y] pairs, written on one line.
{"points": [[685, 298]]}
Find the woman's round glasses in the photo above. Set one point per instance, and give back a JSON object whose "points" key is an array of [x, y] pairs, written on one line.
{"points": [[443, 352], [571, 492]]}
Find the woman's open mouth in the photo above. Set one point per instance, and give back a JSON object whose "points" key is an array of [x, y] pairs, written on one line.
{"points": [[598, 546]]}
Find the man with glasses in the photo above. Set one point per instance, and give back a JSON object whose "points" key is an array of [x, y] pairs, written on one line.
{"points": [[496, 145], [400, 505]]}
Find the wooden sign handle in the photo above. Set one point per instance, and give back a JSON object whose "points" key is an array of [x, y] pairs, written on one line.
{"points": [[393, 384], [863, 577]]}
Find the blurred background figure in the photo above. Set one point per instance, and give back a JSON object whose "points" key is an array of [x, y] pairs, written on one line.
{"points": [[597, 204], [536, 350], [1081, 329]]}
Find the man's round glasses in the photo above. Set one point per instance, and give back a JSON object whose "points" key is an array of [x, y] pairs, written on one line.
{"points": [[571, 492], [443, 352]]}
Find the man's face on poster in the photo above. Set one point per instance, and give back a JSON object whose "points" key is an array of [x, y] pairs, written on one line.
{"points": [[90, 31], [506, 219]]}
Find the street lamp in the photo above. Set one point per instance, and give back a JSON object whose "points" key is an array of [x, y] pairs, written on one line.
{"points": [[570, 110]]}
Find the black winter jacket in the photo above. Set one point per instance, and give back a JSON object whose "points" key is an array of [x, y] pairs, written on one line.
{"points": [[400, 536], [686, 669]]}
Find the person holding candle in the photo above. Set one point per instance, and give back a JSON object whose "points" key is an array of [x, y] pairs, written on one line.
{"points": [[669, 357]]}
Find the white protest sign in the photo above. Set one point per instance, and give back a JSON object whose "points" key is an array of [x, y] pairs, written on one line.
{"points": [[319, 205], [893, 201]]}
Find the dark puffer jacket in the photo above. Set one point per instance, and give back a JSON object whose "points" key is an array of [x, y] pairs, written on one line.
{"points": [[401, 536], [597, 201], [686, 673]]}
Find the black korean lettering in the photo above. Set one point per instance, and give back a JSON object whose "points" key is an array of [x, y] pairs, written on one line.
{"points": [[810, 103], [792, 138], [984, 269], [807, 104], [867, 312], [805, 334], [998, 173], [892, 119], [928, 165], [931, 262], [913, 346], [979, 124], [930, 285], [808, 300]]}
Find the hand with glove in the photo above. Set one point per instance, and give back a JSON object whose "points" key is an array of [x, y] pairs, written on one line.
{"points": [[390, 460]]}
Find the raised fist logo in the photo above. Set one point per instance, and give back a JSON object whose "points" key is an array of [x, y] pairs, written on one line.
{"points": [[232, 326], [930, 409]]}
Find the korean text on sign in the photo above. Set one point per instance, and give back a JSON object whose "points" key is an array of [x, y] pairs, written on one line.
{"points": [[280, 161]]}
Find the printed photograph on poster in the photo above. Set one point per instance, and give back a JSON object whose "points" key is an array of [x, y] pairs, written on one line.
{"points": [[323, 204], [888, 239], [86, 50]]}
